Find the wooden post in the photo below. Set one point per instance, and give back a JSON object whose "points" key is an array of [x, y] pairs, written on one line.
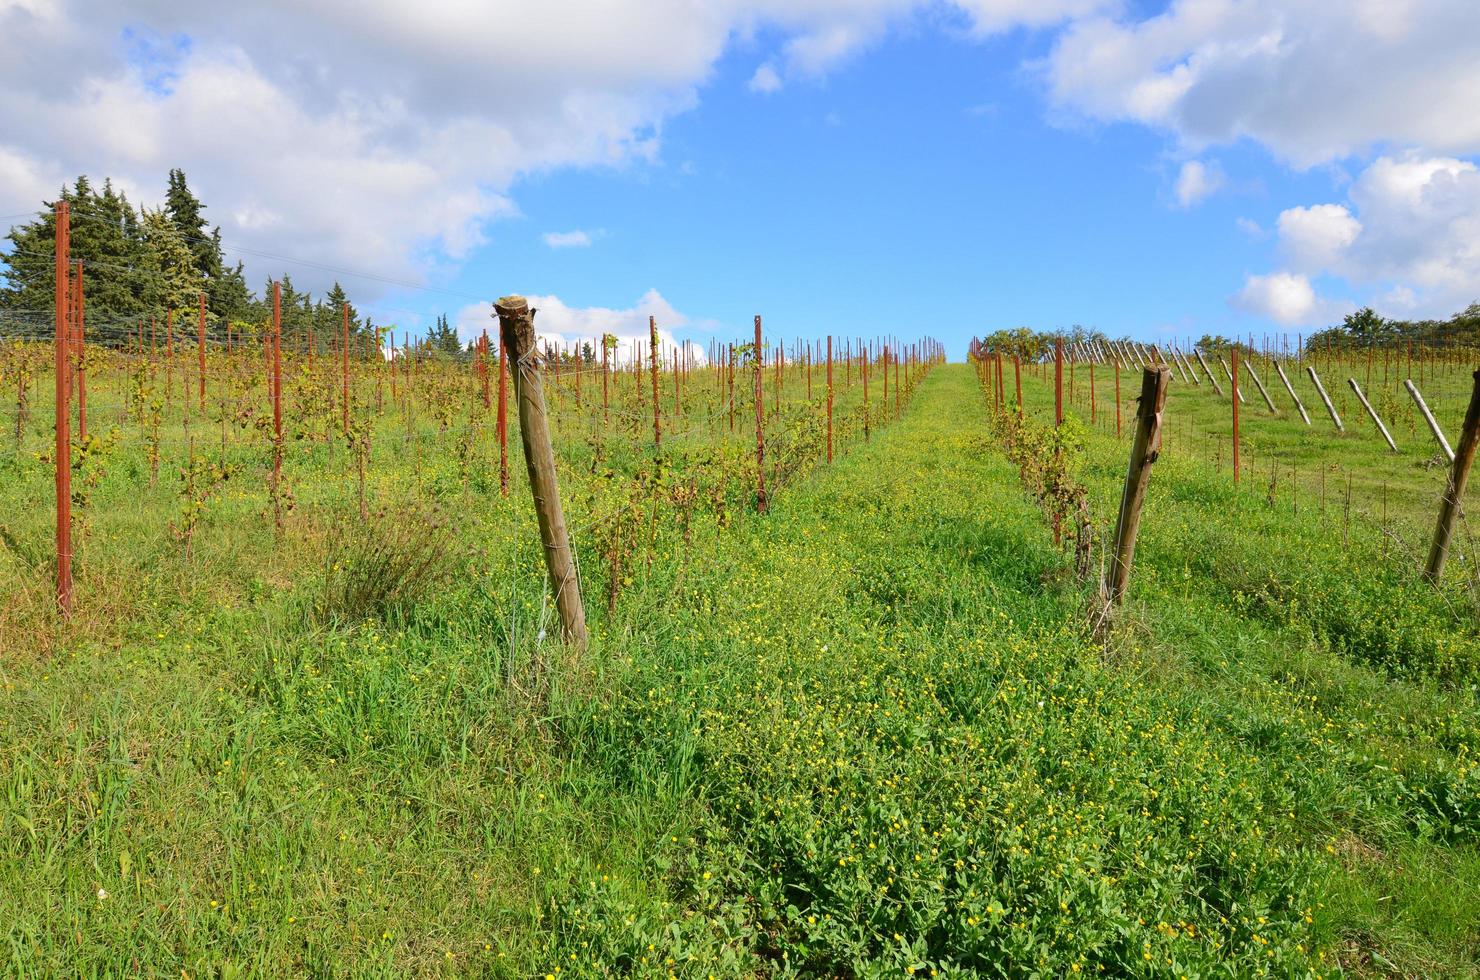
{"points": [[1459, 476], [1191, 372], [1428, 416], [760, 425], [1145, 446], [1236, 399], [1291, 389], [1206, 370], [63, 459], [516, 328], [1372, 412], [1117, 399], [1310, 369], [1249, 369], [1224, 364], [830, 399], [1017, 378]]}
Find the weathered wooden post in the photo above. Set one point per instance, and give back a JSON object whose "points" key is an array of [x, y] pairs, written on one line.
{"points": [[1208, 371], [1428, 416], [1459, 477], [1310, 369], [1372, 412], [1231, 378], [1291, 389], [516, 327], [1249, 369], [1145, 446]]}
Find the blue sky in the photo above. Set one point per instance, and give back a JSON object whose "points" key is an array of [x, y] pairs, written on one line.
{"points": [[854, 167]]}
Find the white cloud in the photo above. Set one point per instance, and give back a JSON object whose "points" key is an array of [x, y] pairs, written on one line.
{"points": [[1316, 238], [392, 148], [1410, 233], [1197, 180], [1287, 298], [567, 239], [765, 80], [1313, 81], [562, 325]]}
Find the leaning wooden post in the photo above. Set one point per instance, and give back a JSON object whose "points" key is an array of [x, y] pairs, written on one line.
{"points": [[1428, 416], [1372, 412], [1231, 378], [1144, 449], [1291, 389], [1017, 380], [1459, 476], [1249, 369], [63, 458], [1206, 370], [516, 327], [760, 426], [1310, 369]]}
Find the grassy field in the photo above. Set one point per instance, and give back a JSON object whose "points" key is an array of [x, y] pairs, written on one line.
{"points": [[869, 733]]}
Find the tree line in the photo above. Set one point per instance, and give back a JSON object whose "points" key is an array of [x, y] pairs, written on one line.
{"points": [[140, 264]]}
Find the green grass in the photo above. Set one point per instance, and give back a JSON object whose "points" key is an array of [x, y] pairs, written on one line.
{"points": [[865, 734]]}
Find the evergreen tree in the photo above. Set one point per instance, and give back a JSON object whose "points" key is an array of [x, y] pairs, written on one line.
{"points": [[442, 339], [171, 280], [184, 210]]}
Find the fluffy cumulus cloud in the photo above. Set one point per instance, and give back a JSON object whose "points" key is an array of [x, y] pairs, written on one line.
{"points": [[1289, 299], [1313, 81], [562, 325], [1409, 235], [1316, 237], [377, 134], [1391, 85]]}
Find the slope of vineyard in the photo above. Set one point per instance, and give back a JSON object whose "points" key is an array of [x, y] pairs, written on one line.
{"points": [[865, 734]]}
